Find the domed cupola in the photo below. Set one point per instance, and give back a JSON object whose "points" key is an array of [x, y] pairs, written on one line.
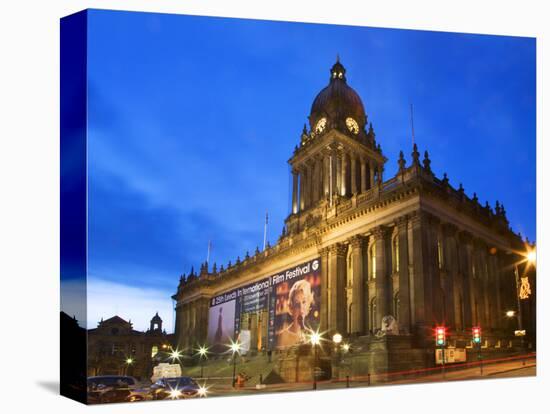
{"points": [[338, 106]]}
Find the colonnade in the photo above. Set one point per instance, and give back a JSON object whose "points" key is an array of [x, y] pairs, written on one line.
{"points": [[332, 172], [419, 270]]}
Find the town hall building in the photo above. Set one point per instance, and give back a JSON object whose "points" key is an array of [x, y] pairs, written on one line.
{"points": [[380, 260]]}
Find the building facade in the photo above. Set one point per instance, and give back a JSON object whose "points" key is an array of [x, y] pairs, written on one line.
{"points": [[410, 247], [115, 348]]}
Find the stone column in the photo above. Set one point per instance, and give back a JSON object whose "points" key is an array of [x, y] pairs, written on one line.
{"points": [[371, 172], [308, 180], [496, 287], [436, 293], [363, 175], [302, 190], [451, 275], [337, 275], [324, 306], [382, 288], [404, 286], [353, 175], [326, 166], [345, 190], [338, 188], [358, 294], [484, 275], [317, 181], [420, 275], [465, 253], [294, 191]]}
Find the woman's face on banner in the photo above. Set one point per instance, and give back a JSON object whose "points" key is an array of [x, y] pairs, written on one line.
{"points": [[300, 305]]}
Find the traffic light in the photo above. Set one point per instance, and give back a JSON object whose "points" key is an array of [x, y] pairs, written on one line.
{"points": [[440, 339], [476, 334]]}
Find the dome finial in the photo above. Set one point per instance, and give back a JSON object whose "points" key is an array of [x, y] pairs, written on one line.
{"points": [[338, 71]]}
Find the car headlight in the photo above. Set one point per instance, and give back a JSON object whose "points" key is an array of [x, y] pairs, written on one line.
{"points": [[175, 394]]}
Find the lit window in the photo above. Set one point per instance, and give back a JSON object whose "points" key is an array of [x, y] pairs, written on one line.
{"points": [[154, 351]]}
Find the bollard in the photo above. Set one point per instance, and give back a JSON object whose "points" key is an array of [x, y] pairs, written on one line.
{"points": [[368, 379], [261, 379], [347, 381]]}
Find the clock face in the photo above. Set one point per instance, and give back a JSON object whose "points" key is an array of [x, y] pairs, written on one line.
{"points": [[321, 124], [352, 125]]}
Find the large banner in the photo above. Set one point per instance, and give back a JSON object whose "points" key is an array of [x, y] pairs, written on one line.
{"points": [[296, 301], [292, 299]]}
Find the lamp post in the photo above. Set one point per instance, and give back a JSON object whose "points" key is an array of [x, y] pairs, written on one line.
{"points": [[129, 361], [530, 260], [337, 339], [203, 351], [346, 348], [315, 340], [518, 299], [235, 348]]}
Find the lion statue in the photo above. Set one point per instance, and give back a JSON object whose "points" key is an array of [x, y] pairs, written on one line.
{"points": [[389, 326]]}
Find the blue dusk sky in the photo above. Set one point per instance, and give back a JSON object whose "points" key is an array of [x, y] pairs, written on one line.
{"points": [[191, 121]]}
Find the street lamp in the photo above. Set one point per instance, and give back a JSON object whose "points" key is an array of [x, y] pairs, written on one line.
{"points": [[315, 340], [175, 355], [510, 313], [235, 348], [337, 339], [203, 354], [532, 256], [129, 361]]}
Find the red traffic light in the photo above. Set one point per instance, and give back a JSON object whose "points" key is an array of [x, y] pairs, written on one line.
{"points": [[476, 334], [440, 337]]}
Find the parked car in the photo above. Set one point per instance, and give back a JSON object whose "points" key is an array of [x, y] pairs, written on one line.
{"points": [[174, 388], [115, 388]]}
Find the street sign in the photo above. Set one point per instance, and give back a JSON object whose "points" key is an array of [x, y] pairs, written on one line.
{"points": [[452, 355], [166, 370]]}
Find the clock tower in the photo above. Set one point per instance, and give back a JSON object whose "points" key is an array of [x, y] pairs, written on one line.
{"points": [[338, 157]]}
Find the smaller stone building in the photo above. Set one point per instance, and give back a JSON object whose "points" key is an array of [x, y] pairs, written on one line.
{"points": [[115, 348]]}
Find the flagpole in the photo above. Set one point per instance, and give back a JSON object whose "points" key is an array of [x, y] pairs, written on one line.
{"points": [[265, 230]]}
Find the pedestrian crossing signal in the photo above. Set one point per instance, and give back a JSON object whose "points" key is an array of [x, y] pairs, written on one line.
{"points": [[440, 339], [476, 333]]}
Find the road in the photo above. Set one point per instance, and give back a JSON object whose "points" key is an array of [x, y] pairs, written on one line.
{"points": [[504, 369]]}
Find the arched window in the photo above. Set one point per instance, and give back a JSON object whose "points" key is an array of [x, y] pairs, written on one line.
{"points": [[372, 309], [373, 261], [395, 248]]}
